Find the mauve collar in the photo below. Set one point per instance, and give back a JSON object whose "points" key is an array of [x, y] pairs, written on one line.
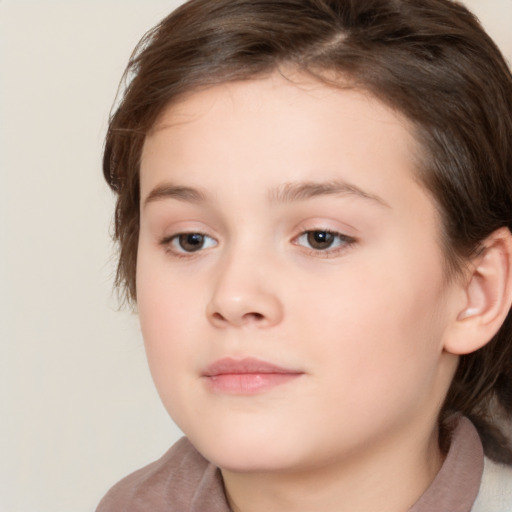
{"points": [[456, 486], [454, 489]]}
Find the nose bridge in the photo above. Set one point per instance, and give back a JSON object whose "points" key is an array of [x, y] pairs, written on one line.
{"points": [[244, 291]]}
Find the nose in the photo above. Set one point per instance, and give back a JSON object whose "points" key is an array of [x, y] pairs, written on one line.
{"points": [[244, 294]]}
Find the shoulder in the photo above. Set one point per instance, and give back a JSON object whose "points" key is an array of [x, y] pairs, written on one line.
{"points": [[495, 493], [169, 484]]}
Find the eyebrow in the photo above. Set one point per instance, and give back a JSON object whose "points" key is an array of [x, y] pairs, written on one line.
{"points": [[290, 192], [286, 193], [170, 191]]}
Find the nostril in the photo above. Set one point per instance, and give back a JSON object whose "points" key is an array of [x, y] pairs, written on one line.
{"points": [[218, 316], [246, 318], [254, 316]]}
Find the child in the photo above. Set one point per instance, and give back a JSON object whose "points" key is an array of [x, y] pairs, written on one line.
{"points": [[314, 200]]}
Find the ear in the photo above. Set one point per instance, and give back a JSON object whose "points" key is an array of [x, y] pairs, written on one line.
{"points": [[487, 296]]}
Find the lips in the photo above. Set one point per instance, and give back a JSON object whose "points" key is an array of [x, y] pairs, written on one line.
{"points": [[246, 376]]}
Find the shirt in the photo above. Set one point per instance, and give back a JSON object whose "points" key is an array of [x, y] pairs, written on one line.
{"points": [[184, 481]]}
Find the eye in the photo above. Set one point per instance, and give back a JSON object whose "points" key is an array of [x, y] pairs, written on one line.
{"points": [[323, 240], [189, 242]]}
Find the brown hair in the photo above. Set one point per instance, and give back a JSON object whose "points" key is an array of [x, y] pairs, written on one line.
{"points": [[428, 59]]}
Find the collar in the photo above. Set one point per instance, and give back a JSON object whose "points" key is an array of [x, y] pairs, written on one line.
{"points": [[456, 486], [182, 480]]}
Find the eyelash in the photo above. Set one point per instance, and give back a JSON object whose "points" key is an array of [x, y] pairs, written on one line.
{"points": [[168, 243], [344, 242]]}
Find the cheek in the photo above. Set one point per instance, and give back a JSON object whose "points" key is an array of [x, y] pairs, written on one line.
{"points": [[167, 321], [378, 324], [164, 307]]}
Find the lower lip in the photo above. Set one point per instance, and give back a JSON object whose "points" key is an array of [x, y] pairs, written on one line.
{"points": [[248, 383]]}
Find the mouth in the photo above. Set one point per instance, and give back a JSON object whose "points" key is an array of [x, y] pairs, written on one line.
{"points": [[246, 376]]}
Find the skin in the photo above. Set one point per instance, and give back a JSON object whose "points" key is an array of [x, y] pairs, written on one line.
{"points": [[365, 322]]}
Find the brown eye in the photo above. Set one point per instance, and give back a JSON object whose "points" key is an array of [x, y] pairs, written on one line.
{"points": [[191, 242], [324, 241], [320, 239]]}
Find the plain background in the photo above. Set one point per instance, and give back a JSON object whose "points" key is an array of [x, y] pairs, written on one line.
{"points": [[77, 406]]}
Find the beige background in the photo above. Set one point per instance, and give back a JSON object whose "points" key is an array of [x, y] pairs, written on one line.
{"points": [[78, 409]]}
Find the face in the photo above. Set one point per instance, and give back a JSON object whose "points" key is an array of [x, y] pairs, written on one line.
{"points": [[290, 283]]}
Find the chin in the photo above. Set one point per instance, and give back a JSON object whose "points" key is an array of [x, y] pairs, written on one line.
{"points": [[247, 453], [238, 461]]}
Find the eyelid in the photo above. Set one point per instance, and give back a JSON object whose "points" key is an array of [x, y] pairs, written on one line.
{"points": [[168, 243], [346, 242]]}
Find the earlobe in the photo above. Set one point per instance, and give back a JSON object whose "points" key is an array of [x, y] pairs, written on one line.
{"points": [[488, 296]]}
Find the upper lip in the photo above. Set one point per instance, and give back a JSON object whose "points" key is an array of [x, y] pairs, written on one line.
{"points": [[247, 365]]}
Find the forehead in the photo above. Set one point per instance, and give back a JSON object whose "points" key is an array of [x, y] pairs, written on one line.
{"points": [[295, 94], [279, 129]]}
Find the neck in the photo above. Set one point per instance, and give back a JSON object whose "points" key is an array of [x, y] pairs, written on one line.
{"points": [[389, 477]]}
